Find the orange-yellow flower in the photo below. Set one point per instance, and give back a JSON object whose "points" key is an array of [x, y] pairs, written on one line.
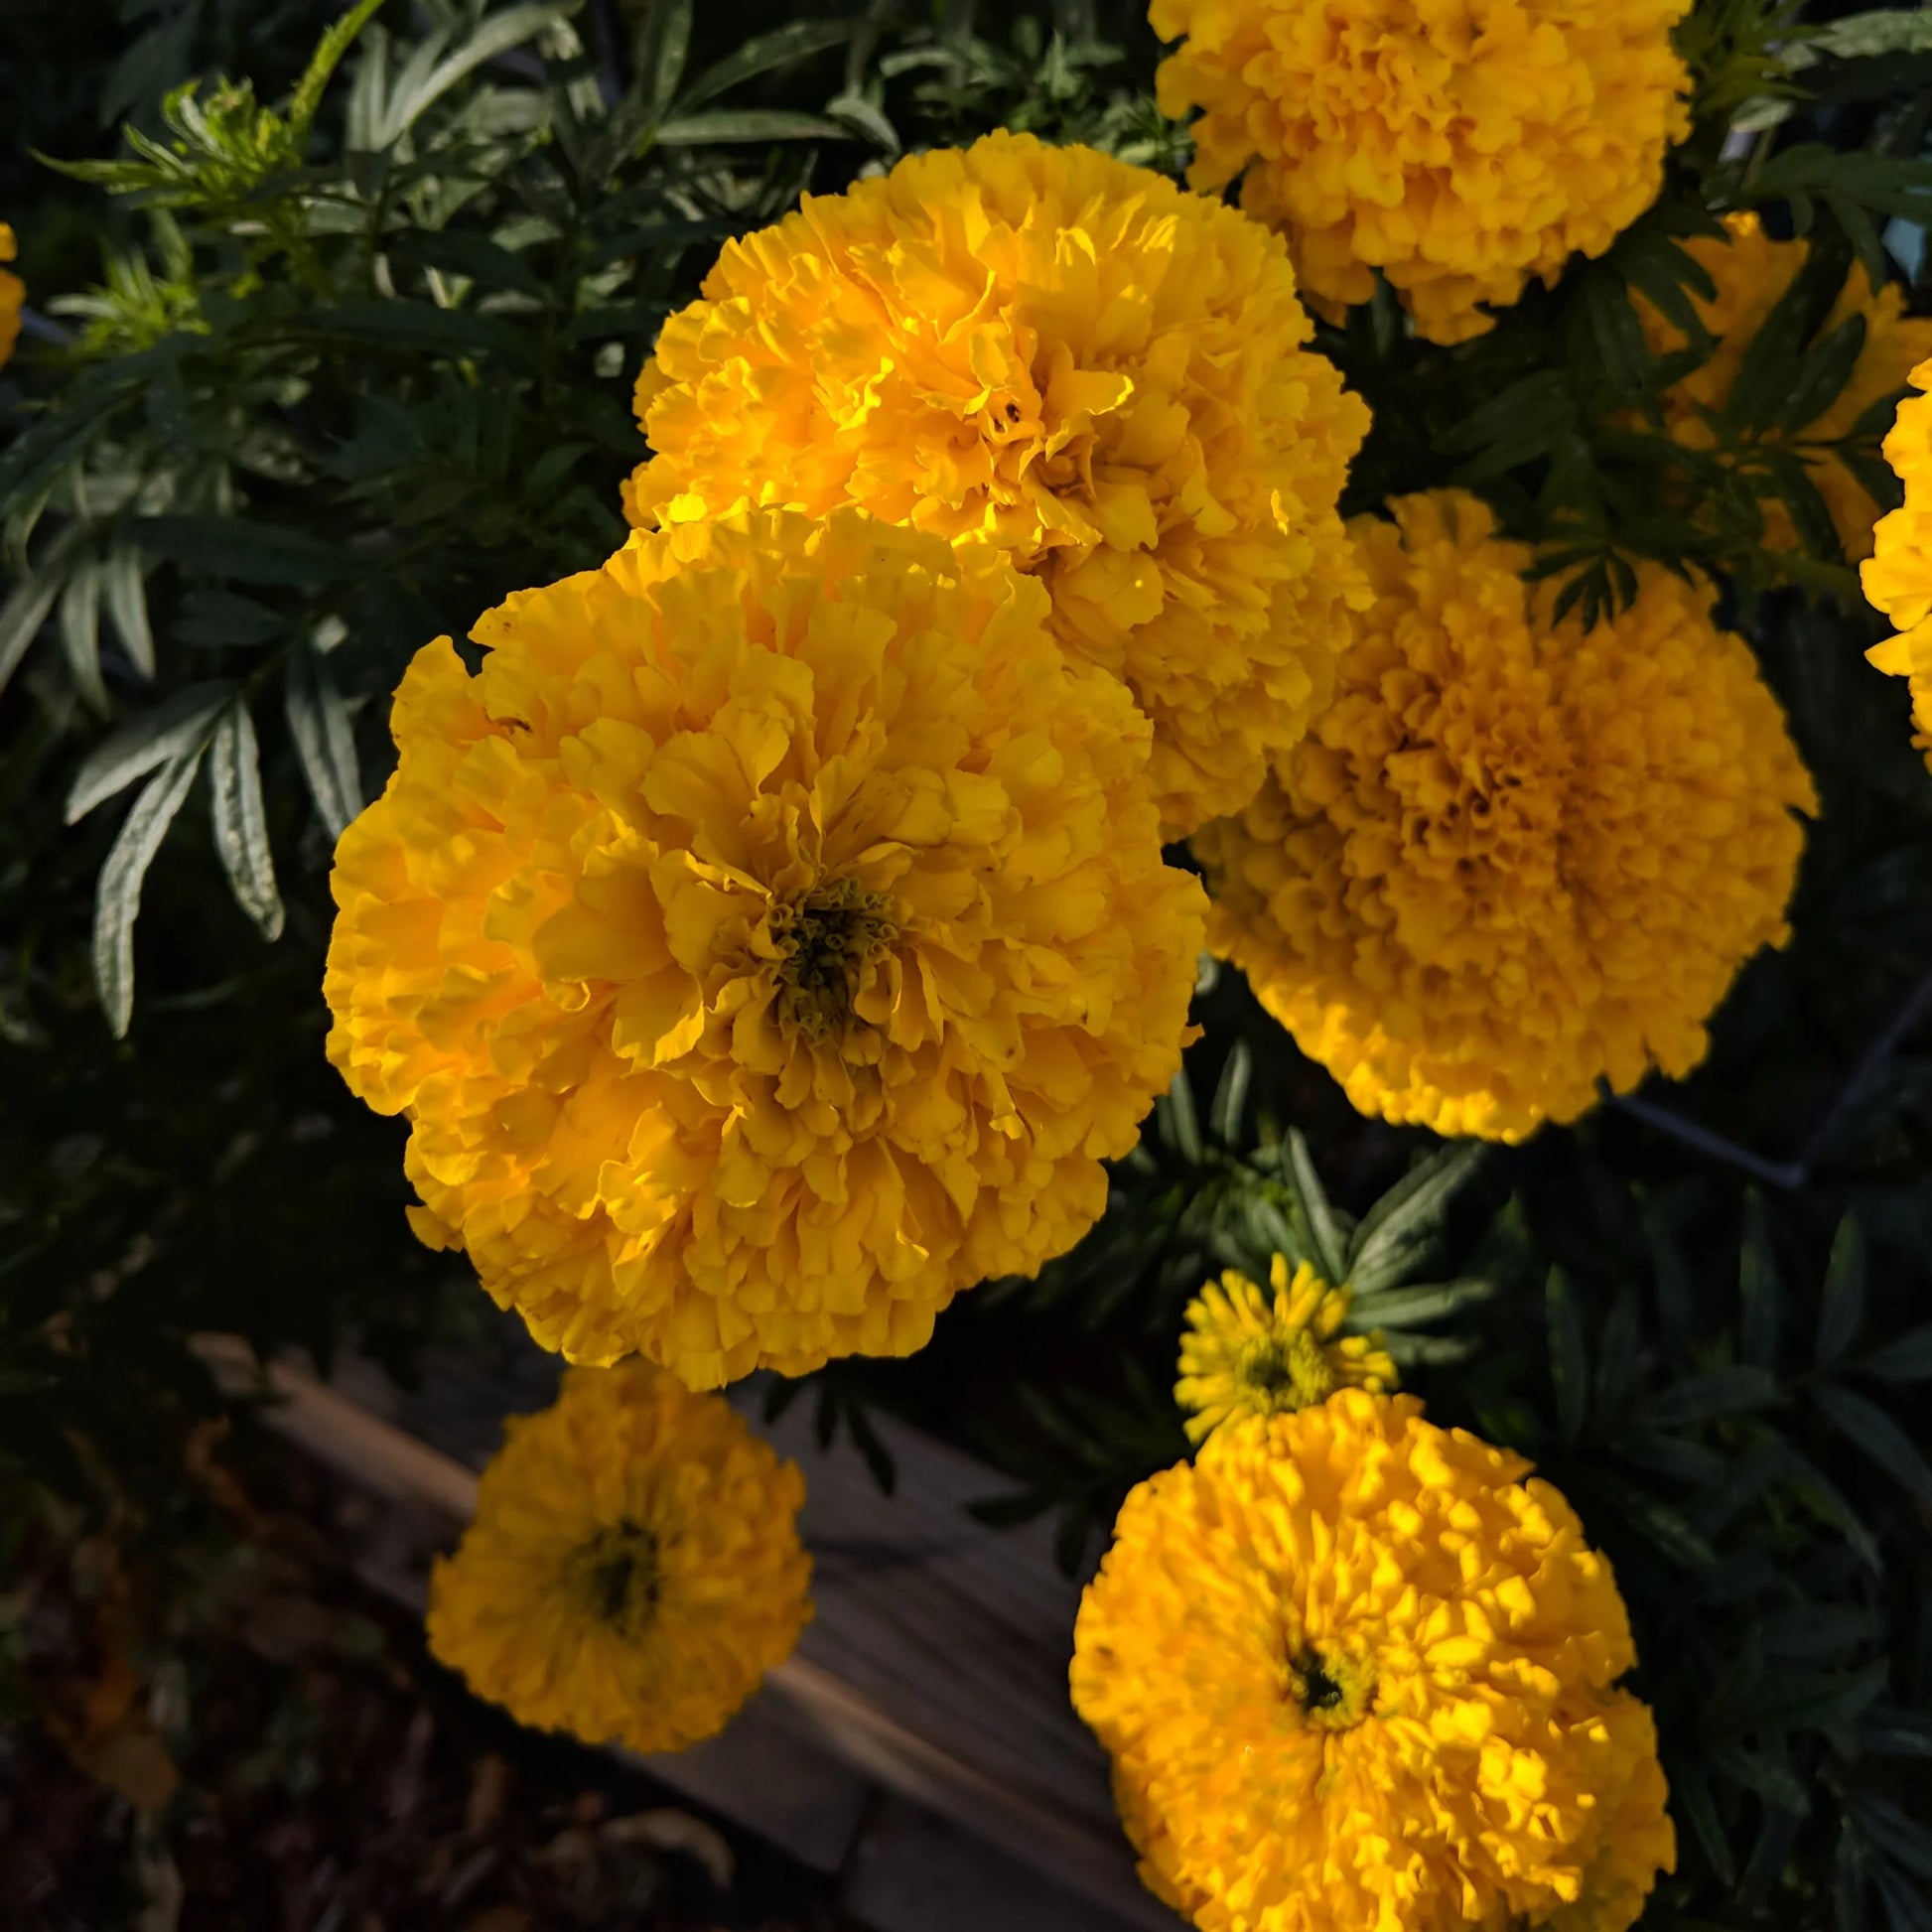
{"points": [[1067, 357], [1246, 1353], [1513, 858], [1898, 576], [13, 294], [769, 941], [1354, 1671], [1752, 272], [1461, 150], [634, 1569]]}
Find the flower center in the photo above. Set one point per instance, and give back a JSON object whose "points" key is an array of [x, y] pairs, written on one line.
{"points": [[1288, 1371], [826, 941], [615, 1576], [1332, 1692]]}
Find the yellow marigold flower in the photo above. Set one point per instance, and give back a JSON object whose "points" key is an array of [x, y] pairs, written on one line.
{"points": [[13, 293], [1353, 1670], [1248, 1353], [1460, 152], [1071, 357], [1753, 272], [1898, 576], [771, 940], [1512, 857], [634, 1569]]}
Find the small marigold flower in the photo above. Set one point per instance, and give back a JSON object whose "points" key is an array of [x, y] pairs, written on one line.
{"points": [[1461, 153], [1898, 576], [769, 941], [634, 1569], [1753, 272], [1353, 1670], [1249, 1353], [13, 295], [1072, 358], [1513, 858]]}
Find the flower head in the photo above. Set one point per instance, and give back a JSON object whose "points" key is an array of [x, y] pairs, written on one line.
{"points": [[1354, 1671], [634, 1569], [13, 293], [769, 941], [1898, 576], [1751, 273], [1514, 857], [1070, 358], [1461, 152], [1250, 1353]]}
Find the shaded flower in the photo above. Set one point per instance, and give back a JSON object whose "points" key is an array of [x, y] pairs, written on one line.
{"points": [[1354, 1670], [1513, 858], [1753, 272], [1898, 576], [13, 294], [1067, 357], [1245, 1352], [1461, 153], [634, 1569], [769, 941]]}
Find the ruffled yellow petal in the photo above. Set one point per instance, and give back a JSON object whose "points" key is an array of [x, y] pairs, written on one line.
{"points": [[1461, 151], [769, 942], [1354, 1670], [634, 1569], [1073, 360], [1513, 858]]}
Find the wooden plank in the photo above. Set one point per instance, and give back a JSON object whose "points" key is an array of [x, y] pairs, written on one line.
{"points": [[936, 1663]]}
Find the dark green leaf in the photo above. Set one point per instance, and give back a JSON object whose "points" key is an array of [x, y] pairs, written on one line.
{"points": [[242, 549], [1403, 1225], [458, 252], [1404, 1308], [125, 593], [1704, 1398], [1842, 1309], [1909, 1359], [1568, 1359], [1760, 1287], [1231, 1095], [1824, 370], [1863, 1422], [787, 45]]}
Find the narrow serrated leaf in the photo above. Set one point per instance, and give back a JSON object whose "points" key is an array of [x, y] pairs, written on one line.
{"points": [[1405, 1307], [118, 894], [81, 630], [325, 741], [1760, 1287], [240, 822], [722, 126], [1330, 1255], [1406, 1220], [146, 739], [1909, 1359], [124, 591], [1231, 1095], [798, 42]]}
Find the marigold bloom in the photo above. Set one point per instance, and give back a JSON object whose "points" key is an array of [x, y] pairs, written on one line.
{"points": [[13, 293], [1072, 358], [1249, 1353], [1753, 272], [634, 1569], [1512, 857], [1460, 151], [1354, 1671], [771, 940], [1898, 576]]}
